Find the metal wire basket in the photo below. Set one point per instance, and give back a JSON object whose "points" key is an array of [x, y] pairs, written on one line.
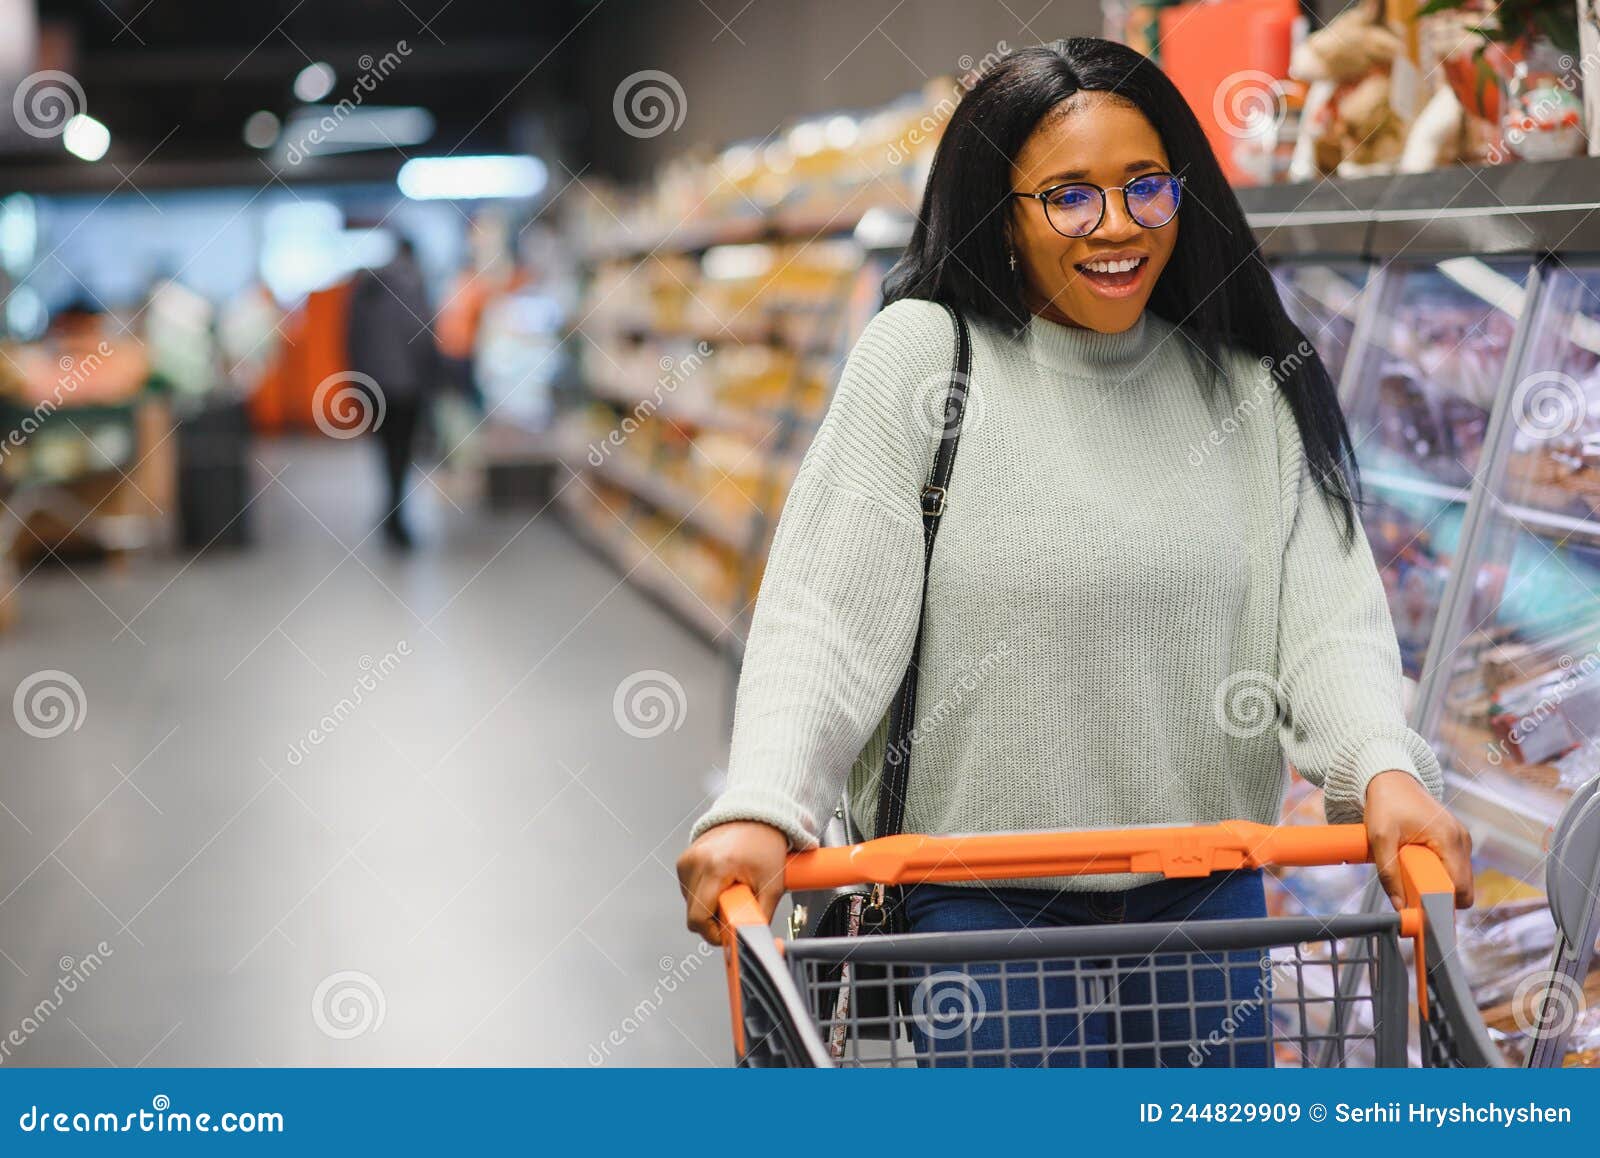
{"points": [[1276, 991]]}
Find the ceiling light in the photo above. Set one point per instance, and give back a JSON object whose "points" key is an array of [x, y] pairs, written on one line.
{"points": [[463, 178], [314, 82], [261, 129], [86, 137]]}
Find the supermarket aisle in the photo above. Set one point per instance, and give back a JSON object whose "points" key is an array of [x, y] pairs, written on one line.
{"points": [[320, 807]]}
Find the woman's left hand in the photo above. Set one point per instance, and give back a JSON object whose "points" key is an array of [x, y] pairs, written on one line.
{"points": [[1399, 810]]}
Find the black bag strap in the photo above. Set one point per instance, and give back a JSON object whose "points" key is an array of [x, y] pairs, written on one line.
{"points": [[902, 710]]}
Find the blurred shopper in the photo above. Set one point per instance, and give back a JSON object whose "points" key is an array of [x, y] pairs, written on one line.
{"points": [[389, 342], [458, 333], [1132, 597]]}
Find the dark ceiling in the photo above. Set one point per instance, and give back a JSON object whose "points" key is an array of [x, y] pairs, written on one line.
{"points": [[175, 80]]}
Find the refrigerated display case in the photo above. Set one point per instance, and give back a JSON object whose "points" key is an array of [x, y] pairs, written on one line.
{"points": [[1471, 382], [1514, 704], [1417, 398], [1324, 299]]}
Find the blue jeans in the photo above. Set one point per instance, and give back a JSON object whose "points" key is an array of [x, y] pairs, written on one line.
{"points": [[959, 1012]]}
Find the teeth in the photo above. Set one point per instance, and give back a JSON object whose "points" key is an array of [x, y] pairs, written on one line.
{"points": [[1111, 266]]}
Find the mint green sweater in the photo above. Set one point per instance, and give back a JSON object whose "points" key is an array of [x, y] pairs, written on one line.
{"points": [[1139, 602]]}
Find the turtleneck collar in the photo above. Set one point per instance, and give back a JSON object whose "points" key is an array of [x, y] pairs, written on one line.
{"points": [[1082, 350]]}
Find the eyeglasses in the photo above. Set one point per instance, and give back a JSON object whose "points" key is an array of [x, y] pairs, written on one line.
{"points": [[1076, 209]]}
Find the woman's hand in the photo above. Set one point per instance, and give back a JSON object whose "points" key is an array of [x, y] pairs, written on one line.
{"points": [[1399, 810], [741, 852]]}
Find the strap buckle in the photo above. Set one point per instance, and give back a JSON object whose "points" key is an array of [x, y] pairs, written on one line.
{"points": [[935, 496]]}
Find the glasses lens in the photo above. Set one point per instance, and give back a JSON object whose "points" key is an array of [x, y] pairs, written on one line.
{"points": [[1153, 200], [1074, 209]]}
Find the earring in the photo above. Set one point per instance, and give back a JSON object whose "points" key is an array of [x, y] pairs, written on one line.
{"points": [[1013, 259]]}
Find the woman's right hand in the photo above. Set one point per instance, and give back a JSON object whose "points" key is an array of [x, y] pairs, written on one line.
{"points": [[745, 852]]}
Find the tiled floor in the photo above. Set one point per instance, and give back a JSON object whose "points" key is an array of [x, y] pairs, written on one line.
{"points": [[321, 806]]}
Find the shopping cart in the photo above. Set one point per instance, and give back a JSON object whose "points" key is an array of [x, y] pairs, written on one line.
{"points": [[1268, 991]]}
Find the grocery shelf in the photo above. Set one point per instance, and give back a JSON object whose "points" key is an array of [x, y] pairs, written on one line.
{"points": [[1458, 210], [719, 309], [672, 500], [1406, 484], [645, 571], [752, 422], [1541, 522], [697, 238]]}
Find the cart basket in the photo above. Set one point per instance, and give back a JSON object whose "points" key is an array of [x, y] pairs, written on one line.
{"points": [[1276, 991]]}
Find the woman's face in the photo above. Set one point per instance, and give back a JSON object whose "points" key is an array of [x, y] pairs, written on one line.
{"points": [[1101, 139]]}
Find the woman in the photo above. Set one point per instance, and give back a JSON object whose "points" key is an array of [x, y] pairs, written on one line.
{"points": [[1150, 584]]}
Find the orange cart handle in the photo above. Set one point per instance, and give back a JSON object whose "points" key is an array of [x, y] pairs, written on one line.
{"points": [[1172, 851], [1191, 851]]}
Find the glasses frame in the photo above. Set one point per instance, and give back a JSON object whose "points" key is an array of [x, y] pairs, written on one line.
{"points": [[1043, 198]]}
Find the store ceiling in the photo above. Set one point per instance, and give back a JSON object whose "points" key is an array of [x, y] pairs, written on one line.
{"points": [[175, 80]]}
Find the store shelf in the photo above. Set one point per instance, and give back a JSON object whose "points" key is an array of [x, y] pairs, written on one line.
{"points": [[1462, 210], [675, 502], [1541, 522], [751, 422], [647, 573], [719, 309]]}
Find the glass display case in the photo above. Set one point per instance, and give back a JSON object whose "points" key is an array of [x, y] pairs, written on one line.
{"points": [[1516, 700], [1418, 397], [1471, 382], [1324, 300]]}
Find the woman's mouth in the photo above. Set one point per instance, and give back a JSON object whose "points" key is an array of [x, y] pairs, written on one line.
{"points": [[1113, 279]]}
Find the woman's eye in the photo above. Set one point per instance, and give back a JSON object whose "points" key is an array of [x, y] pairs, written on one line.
{"points": [[1067, 198]]}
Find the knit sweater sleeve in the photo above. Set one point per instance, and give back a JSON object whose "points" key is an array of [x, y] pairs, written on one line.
{"points": [[837, 608], [1339, 674]]}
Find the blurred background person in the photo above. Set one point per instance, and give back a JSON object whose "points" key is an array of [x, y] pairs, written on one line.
{"points": [[389, 341]]}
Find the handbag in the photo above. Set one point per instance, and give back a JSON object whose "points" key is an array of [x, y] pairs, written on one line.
{"points": [[862, 911]]}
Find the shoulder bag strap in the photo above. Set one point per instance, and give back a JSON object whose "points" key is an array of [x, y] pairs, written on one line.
{"points": [[902, 710]]}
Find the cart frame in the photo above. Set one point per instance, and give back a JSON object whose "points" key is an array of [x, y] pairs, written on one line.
{"points": [[773, 1010]]}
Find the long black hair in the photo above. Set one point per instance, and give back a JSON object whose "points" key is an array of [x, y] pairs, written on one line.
{"points": [[1216, 287]]}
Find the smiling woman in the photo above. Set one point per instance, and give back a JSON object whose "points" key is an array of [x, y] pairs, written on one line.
{"points": [[1079, 264], [1171, 629]]}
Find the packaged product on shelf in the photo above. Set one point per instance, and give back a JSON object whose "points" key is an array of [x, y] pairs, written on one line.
{"points": [[1414, 576], [1545, 717], [1348, 125], [730, 472], [1543, 115], [1502, 944]]}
